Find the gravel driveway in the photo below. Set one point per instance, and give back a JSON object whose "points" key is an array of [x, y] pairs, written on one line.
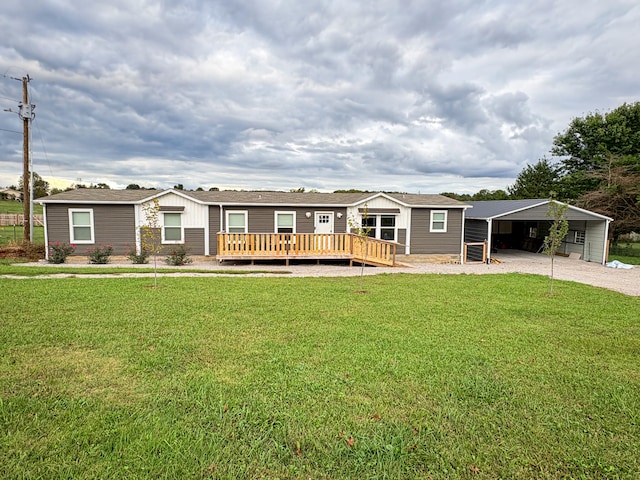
{"points": [[620, 280]]}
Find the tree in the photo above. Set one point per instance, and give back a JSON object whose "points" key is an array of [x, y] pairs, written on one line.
{"points": [[535, 181], [132, 186], [150, 237], [617, 195], [179, 186], [40, 186], [589, 141], [486, 194], [557, 231]]}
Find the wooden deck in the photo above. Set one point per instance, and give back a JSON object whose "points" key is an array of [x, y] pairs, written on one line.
{"points": [[290, 246]]}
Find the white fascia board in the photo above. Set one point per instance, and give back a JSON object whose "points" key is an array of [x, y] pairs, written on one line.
{"points": [[383, 195], [167, 192]]}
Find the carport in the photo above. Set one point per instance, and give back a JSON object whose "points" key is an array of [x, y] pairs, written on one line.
{"points": [[523, 224]]}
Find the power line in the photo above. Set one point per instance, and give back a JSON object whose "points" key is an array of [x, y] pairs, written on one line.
{"points": [[12, 131]]}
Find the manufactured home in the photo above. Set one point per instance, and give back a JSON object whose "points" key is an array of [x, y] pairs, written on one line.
{"points": [[252, 225]]}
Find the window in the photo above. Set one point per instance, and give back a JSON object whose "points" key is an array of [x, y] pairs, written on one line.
{"points": [[381, 226], [369, 224], [438, 221], [388, 227], [81, 226], [285, 222], [237, 222], [172, 228], [579, 237]]}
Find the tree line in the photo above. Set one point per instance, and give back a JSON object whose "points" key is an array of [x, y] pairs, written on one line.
{"points": [[594, 164]]}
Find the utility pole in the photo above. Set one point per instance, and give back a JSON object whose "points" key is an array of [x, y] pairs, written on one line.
{"points": [[26, 114]]}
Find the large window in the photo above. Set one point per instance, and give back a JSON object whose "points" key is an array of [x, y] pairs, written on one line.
{"points": [[381, 226], [172, 228], [237, 222], [81, 226], [285, 222], [438, 221]]}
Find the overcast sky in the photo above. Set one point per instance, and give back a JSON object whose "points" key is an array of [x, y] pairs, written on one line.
{"points": [[415, 96]]}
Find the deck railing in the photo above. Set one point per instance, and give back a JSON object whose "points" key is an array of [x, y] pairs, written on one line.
{"points": [[286, 246]]}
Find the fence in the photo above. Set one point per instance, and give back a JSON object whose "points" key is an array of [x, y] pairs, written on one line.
{"points": [[10, 219]]}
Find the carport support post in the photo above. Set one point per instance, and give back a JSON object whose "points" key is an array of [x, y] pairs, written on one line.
{"points": [[488, 240]]}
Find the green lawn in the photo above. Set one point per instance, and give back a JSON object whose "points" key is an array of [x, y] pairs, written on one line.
{"points": [[424, 376], [11, 206], [16, 235], [626, 253]]}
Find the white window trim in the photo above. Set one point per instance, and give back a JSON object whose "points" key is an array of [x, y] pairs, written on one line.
{"points": [[91, 225], [446, 221], [246, 219], [576, 237], [284, 212], [172, 242]]}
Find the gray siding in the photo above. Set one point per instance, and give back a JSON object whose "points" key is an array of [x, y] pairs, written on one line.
{"points": [[425, 242], [262, 219], [194, 240], [214, 229], [402, 240], [113, 224]]}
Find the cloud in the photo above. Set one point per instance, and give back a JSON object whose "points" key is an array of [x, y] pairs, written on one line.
{"points": [[422, 96]]}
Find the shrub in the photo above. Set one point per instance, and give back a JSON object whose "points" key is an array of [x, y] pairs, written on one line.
{"points": [[58, 252], [178, 256], [138, 258], [100, 254]]}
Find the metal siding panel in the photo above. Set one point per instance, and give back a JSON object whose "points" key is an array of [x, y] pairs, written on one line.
{"points": [[540, 213], [476, 230]]}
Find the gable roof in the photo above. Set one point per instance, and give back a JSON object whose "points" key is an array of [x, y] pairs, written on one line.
{"points": [[100, 195], [107, 196], [495, 209]]}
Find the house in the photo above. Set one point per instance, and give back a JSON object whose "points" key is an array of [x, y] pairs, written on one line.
{"points": [[523, 224], [261, 224], [10, 194]]}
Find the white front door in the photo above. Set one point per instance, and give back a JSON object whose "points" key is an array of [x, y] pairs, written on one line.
{"points": [[324, 222]]}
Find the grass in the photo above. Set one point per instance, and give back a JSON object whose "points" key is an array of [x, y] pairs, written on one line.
{"points": [[9, 267], [11, 234], [626, 253], [430, 376], [11, 206]]}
